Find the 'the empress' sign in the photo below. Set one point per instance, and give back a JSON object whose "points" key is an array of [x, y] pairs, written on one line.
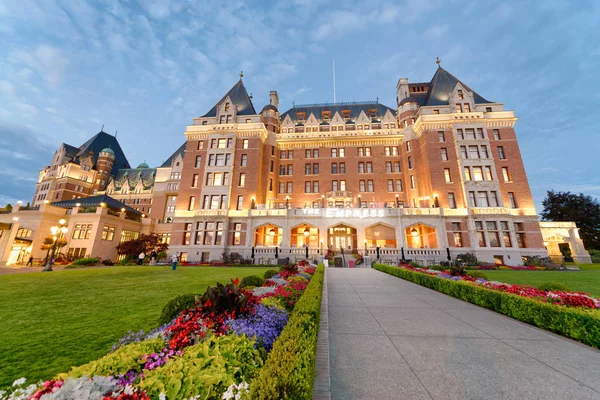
{"points": [[344, 212]]}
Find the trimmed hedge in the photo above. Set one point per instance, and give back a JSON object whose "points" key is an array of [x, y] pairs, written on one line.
{"points": [[251, 280], [579, 324], [270, 273], [86, 261], [176, 306], [289, 371]]}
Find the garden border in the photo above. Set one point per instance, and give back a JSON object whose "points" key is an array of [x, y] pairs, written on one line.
{"points": [[581, 325], [289, 371]]}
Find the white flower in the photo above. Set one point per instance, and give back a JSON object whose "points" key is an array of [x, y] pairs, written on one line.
{"points": [[128, 390], [162, 396], [19, 382]]}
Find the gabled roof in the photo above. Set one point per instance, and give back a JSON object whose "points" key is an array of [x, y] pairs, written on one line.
{"points": [[441, 86], [355, 108], [97, 143], [169, 161], [96, 201], [240, 99]]}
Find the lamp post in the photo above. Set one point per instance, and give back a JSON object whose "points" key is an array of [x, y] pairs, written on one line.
{"points": [[287, 201], [57, 232], [322, 201], [397, 201], [359, 202]]}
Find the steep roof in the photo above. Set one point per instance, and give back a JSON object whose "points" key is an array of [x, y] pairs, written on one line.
{"points": [[97, 143], [355, 109], [95, 201], [169, 161], [240, 99], [442, 84], [133, 175], [71, 151]]}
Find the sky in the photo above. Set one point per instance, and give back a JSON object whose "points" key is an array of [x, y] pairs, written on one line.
{"points": [[147, 68]]}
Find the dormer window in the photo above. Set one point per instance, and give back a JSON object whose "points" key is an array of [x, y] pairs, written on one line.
{"points": [[460, 94], [326, 116], [301, 116], [346, 114], [227, 106]]}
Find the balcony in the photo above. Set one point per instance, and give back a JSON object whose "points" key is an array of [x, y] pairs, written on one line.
{"points": [[339, 194]]}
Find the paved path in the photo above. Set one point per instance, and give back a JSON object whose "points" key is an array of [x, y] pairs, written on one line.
{"points": [[392, 339]]}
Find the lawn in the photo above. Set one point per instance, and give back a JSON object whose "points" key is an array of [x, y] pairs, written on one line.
{"points": [[587, 280], [52, 321]]}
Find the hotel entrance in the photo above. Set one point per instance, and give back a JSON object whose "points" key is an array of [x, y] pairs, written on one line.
{"points": [[342, 237]]}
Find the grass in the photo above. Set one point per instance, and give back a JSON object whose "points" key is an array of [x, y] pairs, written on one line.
{"points": [[587, 280], [53, 321]]}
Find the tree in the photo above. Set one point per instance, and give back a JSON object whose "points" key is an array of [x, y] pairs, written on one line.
{"points": [[49, 242], [144, 243], [582, 209], [8, 207]]}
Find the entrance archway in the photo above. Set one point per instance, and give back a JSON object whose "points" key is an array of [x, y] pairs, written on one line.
{"points": [[268, 235], [420, 236], [304, 235], [342, 236], [381, 235]]}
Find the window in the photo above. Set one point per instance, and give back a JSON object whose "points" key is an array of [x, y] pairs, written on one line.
{"points": [[441, 136], [342, 168], [244, 160], [334, 153], [270, 184], [463, 152], [369, 167], [237, 233], [470, 133], [460, 134], [410, 164], [501, 153], [198, 161], [191, 203], [342, 185], [494, 199], [520, 233], [221, 143], [334, 168], [457, 235], [447, 175], [388, 166], [108, 232], [242, 181], [240, 203], [496, 134], [398, 185], [272, 167], [361, 186], [80, 231], [482, 199], [472, 200], [335, 185], [315, 186], [477, 174], [195, 180], [458, 108], [390, 185], [484, 152], [505, 174], [407, 147], [488, 109], [307, 169], [480, 134], [512, 200], [460, 94], [289, 187], [245, 143], [412, 182], [444, 152], [480, 233], [451, 200], [290, 154], [281, 187], [493, 234], [391, 150], [307, 186], [315, 169], [505, 234], [473, 152], [307, 153], [187, 234], [370, 186], [467, 173], [290, 169], [282, 154]]}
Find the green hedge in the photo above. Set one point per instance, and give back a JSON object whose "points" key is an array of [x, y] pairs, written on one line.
{"points": [[579, 324], [289, 371], [175, 306]]}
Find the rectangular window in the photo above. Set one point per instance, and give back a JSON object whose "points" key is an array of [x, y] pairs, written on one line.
{"points": [[244, 160], [390, 184], [281, 187], [482, 198], [472, 200], [369, 167], [473, 152], [307, 187], [245, 143], [361, 167], [191, 203], [282, 154], [315, 186], [108, 233], [470, 133], [315, 170], [289, 187], [335, 186], [342, 168], [480, 133], [237, 233], [200, 145], [512, 200], [410, 164], [447, 176], [342, 185], [307, 169], [407, 147], [398, 185], [198, 161], [361, 186], [195, 180], [477, 174], [206, 203], [334, 153], [496, 134], [242, 181], [505, 174], [341, 151], [222, 143], [444, 152], [441, 136], [307, 153], [412, 182], [370, 186], [488, 173], [484, 152], [501, 153], [451, 200], [334, 168], [388, 166], [290, 154], [240, 203], [467, 173], [480, 234], [315, 153], [494, 199]]}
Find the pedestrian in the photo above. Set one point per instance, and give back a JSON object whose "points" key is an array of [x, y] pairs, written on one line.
{"points": [[30, 262], [141, 258], [174, 262], [153, 258]]}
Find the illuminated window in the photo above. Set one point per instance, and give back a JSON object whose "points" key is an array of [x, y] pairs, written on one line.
{"points": [[444, 152], [242, 181], [506, 174], [501, 153], [447, 175]]}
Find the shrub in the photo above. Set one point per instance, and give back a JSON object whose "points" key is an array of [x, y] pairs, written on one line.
{"points": [[582, 325], [289, 268], [206, 369], [123, 360], [176, 306], [264, 325], [595, 254], [270, 273], [467, 259], [457, 270], [554, 287], [289, 371], [224, 299], [107, 262], [415, 264], [477, 274], [86, 261], [252, 280]]}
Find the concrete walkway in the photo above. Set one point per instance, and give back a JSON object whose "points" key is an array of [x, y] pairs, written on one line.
{"points": [[392, 339]]}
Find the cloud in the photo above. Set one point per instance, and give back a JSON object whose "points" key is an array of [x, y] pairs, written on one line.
{"points": [[26, 110], [6, 88], [157, 9], [47, 61]]}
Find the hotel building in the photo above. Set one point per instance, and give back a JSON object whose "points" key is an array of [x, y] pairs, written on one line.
{"points": [[440, 173]]}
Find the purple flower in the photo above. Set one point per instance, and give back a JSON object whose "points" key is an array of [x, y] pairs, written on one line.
{"points": [[264, 325]]}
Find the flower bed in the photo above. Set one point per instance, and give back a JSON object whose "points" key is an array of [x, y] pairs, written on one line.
{"points": [[566, 313], [216, 349]]}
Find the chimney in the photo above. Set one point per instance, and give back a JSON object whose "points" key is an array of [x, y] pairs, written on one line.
{"points": [[402, 91], [274, 99]]}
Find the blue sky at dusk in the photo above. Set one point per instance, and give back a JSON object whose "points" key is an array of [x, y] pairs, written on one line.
{"points": [[146, 68]]}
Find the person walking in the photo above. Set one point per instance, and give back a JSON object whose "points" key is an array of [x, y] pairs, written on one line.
{"points": [[141, 258], [153, 258], [174, 262], [30, 262]]}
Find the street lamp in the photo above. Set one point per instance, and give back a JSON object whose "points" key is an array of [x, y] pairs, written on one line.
{"points": [[287, 201], [397, 201], [359, 202], [57, 232]]}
